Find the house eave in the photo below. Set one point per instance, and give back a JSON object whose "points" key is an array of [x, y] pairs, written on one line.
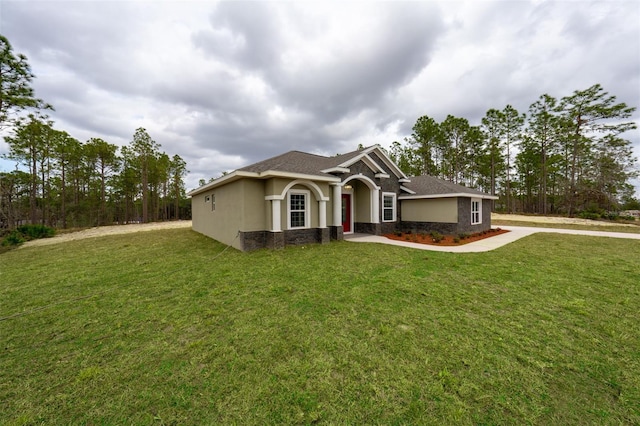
{"points": [[290, 175], [405, 189], [336, 170], [239, 174], [231, 177], [452, 195]]}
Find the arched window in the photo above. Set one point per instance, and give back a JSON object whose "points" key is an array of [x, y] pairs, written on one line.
{"points": [[297, 209]]}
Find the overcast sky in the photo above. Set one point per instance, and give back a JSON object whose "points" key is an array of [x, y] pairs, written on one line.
{"points": [[225, 84]]}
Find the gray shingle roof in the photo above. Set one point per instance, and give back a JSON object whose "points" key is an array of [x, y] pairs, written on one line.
{"points": [[299, 162], [429, 185], [292, 161]]}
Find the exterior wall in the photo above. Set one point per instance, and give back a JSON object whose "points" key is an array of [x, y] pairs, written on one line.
{"points": [[438, 210], [257, 221], [418, 227], [388, 227], [367, 228], [463, 209], [254, 206], [336, 232], [255, 240], [223, 223], [250, 241], [275, 186], [306, 236], [362, 202], [464, 206]]}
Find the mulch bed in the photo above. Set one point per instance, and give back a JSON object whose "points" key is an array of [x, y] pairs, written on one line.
{"points": [[447, 240]]}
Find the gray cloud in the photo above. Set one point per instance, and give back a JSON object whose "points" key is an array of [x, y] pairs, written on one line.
{"points": [[225, 84]]}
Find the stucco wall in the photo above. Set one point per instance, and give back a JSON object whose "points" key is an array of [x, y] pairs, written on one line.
{"points": [[362, 200], [439, 210], [239, 206], [463, 208], [254, 205]]}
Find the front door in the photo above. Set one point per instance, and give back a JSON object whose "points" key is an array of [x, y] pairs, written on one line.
{"points": [[346, 212]]}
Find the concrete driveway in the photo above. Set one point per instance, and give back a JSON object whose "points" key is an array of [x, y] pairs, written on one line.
{"points": [[487, 244]]}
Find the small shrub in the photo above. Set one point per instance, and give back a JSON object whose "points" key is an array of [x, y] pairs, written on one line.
{"points": [[14, 238], [589, 215], [456, 240], [34, 232], [463, 235], [398, 233], [26, 233], [436, 236]]}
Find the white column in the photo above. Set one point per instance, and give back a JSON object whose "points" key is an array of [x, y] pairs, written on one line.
{"points": [[322, 210], [275, 216], [375, 206], [337, 205]]}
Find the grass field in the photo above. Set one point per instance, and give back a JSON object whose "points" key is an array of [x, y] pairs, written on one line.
{"points": [[156, 328], [610, 227]]}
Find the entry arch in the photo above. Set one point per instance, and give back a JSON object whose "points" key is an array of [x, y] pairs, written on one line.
{"points": [[374, 195]]}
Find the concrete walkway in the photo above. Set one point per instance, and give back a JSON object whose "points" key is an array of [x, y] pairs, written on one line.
{"points": [[487, 244]]}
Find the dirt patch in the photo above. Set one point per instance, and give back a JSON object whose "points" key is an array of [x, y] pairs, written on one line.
{"points": [[446, 240], [554, 219], [102, 231]]}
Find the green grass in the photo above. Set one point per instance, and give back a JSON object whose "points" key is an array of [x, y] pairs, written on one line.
{"points": [[153, 328], [608, 227]]}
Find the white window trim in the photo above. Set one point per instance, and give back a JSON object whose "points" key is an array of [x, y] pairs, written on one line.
{"points": [[394, 197], [306, 194], [207, 198], [479, 201]]}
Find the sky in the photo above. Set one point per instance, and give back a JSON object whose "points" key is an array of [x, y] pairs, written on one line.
{"points": [[225, 84]]}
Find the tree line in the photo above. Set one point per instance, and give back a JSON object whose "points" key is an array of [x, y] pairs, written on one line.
{"points": [[62, 182], [564, 156]]}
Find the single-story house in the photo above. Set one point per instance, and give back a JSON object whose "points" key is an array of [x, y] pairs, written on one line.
{"points": [[301, 198]]}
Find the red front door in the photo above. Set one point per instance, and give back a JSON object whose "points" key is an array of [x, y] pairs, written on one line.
{"points": [[346, 212]]}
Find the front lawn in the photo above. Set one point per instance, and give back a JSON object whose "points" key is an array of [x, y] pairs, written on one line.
{"points": [[155, 328]]}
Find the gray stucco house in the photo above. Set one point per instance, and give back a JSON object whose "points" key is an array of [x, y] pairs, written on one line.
{"points": [[302, 198]]}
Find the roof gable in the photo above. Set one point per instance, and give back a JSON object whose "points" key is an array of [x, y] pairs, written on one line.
{"points": [[366, 157]]}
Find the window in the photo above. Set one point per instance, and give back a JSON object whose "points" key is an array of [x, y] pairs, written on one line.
{"points": [[388, 207], [297, 207], [476, 211], [207, 198]]}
